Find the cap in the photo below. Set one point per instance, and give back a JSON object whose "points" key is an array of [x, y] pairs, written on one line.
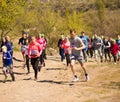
{"points": [[42, 35], [26, 32]]}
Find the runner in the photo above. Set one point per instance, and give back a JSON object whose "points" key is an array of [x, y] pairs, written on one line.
{"points": [[2, 43], [107, 49], [114, 51], [42, 42], [9, 44], [7, 64], [76, 54], [61, 50], [34, 52], [44, 46], [22, 43], [26, 54], [67, 51], [90, 50], [118, 42], [97, 45], [28, 36], [85, 40]]}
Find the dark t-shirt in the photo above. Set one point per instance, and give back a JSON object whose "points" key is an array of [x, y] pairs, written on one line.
{"points": [[22, 41]]}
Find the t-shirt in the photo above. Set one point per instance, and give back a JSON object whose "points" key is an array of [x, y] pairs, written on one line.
{"points": [[97, 43], [118, 42], [76, 43], [85, 40], [22, 41], [66, 46]]}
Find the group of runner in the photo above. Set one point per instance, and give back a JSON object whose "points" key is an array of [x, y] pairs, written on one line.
{"points": [[32, 49], [81, 47], [73, 48]]}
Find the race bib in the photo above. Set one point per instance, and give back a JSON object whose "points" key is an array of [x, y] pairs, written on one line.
{"points": [[72, 45], [34, 52]]}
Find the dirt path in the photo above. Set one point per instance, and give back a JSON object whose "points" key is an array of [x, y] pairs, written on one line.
{"points": [[54, 83]]}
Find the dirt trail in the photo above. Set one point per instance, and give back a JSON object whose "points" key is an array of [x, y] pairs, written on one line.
{"points": [[54, 83]]}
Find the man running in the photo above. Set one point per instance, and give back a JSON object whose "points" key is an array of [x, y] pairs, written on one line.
{"points": [[76, 54]]}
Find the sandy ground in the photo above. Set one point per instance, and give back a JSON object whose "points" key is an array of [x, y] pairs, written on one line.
{"points": [[55, 84]]}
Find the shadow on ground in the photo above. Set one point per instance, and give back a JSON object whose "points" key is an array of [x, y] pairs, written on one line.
{"points": [[57, 82], [17, 59], [55, 69]]}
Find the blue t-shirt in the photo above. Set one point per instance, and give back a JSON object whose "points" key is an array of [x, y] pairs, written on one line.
{"points": [[118, 42], [7, 58], [85, 40]]}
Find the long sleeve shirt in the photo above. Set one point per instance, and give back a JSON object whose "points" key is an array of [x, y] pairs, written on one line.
{"points": [[7, 58], [34, 50], [114, 49]]}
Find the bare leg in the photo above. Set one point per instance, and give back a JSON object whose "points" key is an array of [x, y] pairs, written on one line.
{"points": [[83, 67], [73, 67]]}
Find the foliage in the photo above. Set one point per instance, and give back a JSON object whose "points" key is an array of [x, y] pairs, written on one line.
{"points": [[9, 10], [58, 16]]}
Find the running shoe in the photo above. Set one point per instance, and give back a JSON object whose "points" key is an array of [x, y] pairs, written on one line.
{"points": [[44, 64], [87, 77], [5, 79], [39, 68], [13, 77], [75, 79]]}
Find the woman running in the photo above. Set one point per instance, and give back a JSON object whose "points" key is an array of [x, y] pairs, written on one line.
{"points": [[67, 51], [34, 52], [114, 49]]}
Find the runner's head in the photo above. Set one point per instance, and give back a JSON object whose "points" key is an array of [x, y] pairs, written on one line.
{"points": [[62, 36], [66, 38], [42, 35], [39, 35], [95, 36], [4, 49], [24, 35], [113, 41], [118, 36], [72, 33], [27, 34], [33, 39], [7, 38], [82, 33], [106, 38]]}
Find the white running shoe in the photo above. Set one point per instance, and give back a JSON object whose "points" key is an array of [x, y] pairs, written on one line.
{"points": [[75, 79]]}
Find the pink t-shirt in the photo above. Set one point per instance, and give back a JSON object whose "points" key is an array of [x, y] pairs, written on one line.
{"points": [[66, 46], [42, 42]]}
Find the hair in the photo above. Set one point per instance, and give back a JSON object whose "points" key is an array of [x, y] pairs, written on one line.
{"points": [[4, 47], [82, 32], [72, 30]]}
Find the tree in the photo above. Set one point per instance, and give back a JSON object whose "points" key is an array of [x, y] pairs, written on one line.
{"points": [[9, 10], [101, 14]]}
